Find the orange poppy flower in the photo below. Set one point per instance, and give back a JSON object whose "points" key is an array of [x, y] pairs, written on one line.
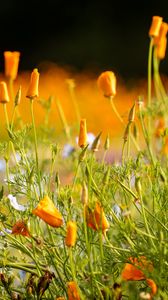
{"points": [[161, 48], [4, 96], [155, 26], [71, 234], [162, 33], [152, 285], [135, 269], [96, 219], [33, 86], [47, 211], [11, 64], [20, 227], [107, 83], [82, 141], [73, 293], [60, 298]]}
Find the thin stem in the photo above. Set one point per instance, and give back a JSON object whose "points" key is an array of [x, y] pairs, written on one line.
{"points": [[35, 144], [63, 120], [75, 104], [146, 136], [149, 82], [121, 120]]}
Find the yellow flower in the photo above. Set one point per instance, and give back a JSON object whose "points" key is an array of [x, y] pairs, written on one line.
{"points": [[11, 64], [33, 86], [4, 96], [70, 239], [47, 211], [107, 83], [82, 141], [73, 293], [155, 26]]}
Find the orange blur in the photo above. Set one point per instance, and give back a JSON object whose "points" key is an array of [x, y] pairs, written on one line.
{"points": [[92, 104]]}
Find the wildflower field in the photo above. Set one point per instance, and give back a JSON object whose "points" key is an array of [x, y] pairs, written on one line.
{"points": [[84, 183]]}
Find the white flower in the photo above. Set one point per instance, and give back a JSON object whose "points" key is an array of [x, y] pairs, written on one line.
{"points": [[117, 210], [15, 204], [2, 165], [6, 230], [67, 150]]}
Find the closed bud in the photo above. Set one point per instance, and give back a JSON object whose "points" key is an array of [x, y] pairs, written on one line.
{"points": [[32, 92], [82, 141], [155, 26], [131, 116], [18, 97], [11, 64], [71, 234], [4, 96], [96, 143], [107, 143], [107, 83], [161, 48]]}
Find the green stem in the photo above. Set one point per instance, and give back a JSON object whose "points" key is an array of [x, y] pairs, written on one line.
{"points": [[149, 82], [121, 121], [76, 107], [63, 120], [35, 144], [146, 136]]}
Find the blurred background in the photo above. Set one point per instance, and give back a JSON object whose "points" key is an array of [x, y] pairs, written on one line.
{"points": [[83, 34]]}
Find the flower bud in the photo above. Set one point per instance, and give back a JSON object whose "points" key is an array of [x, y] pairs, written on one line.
{"points": [[155, 26], [11, 64], [4, 96], [82, 141], [107, 83], [33, 85], [71, 234]]}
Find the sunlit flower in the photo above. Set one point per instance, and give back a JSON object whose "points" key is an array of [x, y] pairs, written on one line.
{"points": [[155, 26], [14, 203], [60, 298], [4, 96], [71, 234], [47, 211], [82, 140], [11, 64], [20, 227], [96, 219], [107, 83], [33, 85], [73, 293]]}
